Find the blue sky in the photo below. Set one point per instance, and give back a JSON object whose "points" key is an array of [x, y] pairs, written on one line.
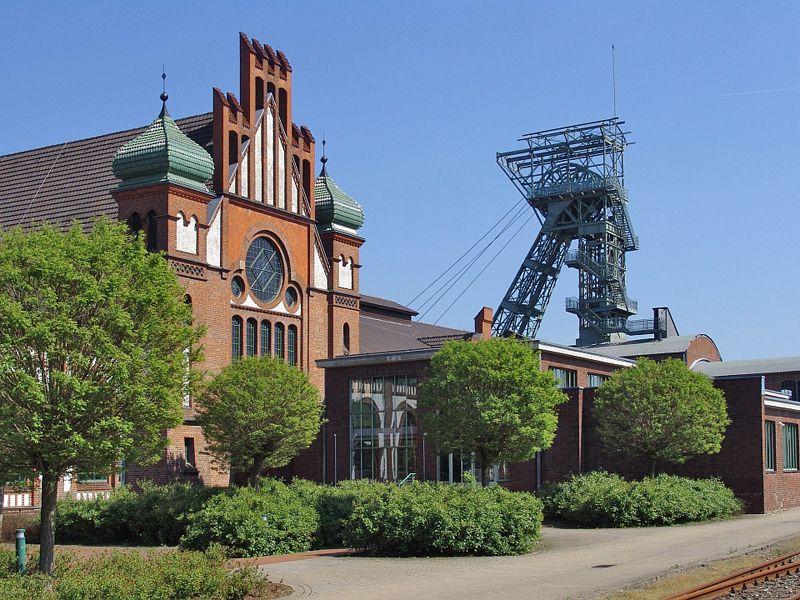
{"points": [[416, 98]]}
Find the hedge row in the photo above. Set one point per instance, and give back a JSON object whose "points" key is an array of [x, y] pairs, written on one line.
{"points": [[156, 516], [132, 576], [600, 499], [382, 518]]}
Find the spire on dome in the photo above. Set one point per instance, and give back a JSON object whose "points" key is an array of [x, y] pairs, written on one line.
{"points": [[164, 96], [335, 210], [163, 154]]}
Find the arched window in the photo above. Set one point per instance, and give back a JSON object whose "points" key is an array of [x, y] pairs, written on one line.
{"points": [[236, 338], [152, 231], [278, 341], [271, 90], [266, 337], [259, 93], [283, 107], [233, 148], [346, 339], [291, 346], [307, 179], [251, 337], [134, 224]]}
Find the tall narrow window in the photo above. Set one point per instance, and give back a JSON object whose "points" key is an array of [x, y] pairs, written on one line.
{"points": [[291, 346], [152, 231], [769, 445], [251, 337], [279, 340], [266, 338], [790, 447], [271, 90], [283, 108], [134, 224], [307, 179], [233, 148], [188, 451], [259, 93], [346, 339], [236, 337]]}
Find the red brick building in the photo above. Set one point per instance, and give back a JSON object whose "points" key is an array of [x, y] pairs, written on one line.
{"points": [[269, 257]]}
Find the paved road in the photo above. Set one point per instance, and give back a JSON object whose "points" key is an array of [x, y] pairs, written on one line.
{"points": [[570, 563]]}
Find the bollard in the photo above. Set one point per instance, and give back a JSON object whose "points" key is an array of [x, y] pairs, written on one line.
{"points": [[21, 558]]}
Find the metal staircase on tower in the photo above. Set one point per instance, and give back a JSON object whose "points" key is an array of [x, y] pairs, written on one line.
{"points": [[573, 178]]}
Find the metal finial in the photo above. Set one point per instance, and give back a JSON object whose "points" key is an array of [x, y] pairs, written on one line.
{"points": [[164, 95], [324, 158]]}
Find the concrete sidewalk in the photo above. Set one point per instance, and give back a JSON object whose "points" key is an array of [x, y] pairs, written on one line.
{"points": [[569, 563]]}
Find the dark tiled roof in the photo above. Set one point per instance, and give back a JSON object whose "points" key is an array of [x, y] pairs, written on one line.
{"points": [[760, 366], [73, 180], [669, 345], [386, 306], [380, 334]]}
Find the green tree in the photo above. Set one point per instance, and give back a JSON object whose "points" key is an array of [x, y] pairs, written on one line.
{"points": [[489, 397], [93, 336], [259, 413], [662, 411]]}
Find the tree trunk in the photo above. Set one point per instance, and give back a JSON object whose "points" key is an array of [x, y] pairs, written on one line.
{"points": [[653, 463], [47, 538], [255, 472], [486, 469], [2, 500]]}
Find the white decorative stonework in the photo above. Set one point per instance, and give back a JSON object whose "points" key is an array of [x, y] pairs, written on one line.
{"points": [[186, 235], [245, 177], [270, 167], [294, 195], [281, 174], [320, 278], [345, 273], [259, 195], [213, 239]]}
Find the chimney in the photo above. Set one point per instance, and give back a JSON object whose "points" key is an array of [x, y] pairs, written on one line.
{"points": [[483, 322]]}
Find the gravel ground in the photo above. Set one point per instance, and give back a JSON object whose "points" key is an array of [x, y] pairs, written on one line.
{"points": [[778, 589]]}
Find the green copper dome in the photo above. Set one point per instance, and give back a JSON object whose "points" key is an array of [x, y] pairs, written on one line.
{"points": [[163, 154], [336, 211]]}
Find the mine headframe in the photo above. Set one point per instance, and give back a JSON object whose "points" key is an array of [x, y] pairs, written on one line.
{"points": [[573, 178]]}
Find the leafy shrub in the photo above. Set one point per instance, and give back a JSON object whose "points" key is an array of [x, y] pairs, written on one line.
{"points": [[133, 576], [254, 522], [155, 516], [442, 519], [334, 504], [600, 499]]}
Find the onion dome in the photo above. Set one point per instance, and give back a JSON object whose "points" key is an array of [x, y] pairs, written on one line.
{"points": [[335, 210], [163, 154]]}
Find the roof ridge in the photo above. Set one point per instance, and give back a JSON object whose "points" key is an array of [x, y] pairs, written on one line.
{"points": [[102, 135]]}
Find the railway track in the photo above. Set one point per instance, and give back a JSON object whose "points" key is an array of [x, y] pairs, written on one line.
{"points": [[777, 579]]}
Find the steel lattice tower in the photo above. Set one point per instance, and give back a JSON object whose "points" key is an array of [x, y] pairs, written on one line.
{"points": [[573, 178]]}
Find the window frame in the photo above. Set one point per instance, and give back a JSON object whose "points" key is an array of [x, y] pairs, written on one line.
{"points": [[769, 447], [570, 376], [790, 447]]}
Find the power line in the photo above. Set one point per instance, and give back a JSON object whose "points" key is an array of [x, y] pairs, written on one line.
{"points": [[460, 258], [455, 278], [474, 279]]}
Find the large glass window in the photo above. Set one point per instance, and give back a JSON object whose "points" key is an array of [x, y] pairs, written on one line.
{"points": [[279, 330], [264, 269], [383, 428], [266, 338], [790, 447], [236, 338], [291, 346], [769, 445], [596, 380], [251, 337], [565, 378]]}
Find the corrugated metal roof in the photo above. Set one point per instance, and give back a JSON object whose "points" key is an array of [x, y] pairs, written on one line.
{"points": [[73, 180], [647, 347], [758, 366]]}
